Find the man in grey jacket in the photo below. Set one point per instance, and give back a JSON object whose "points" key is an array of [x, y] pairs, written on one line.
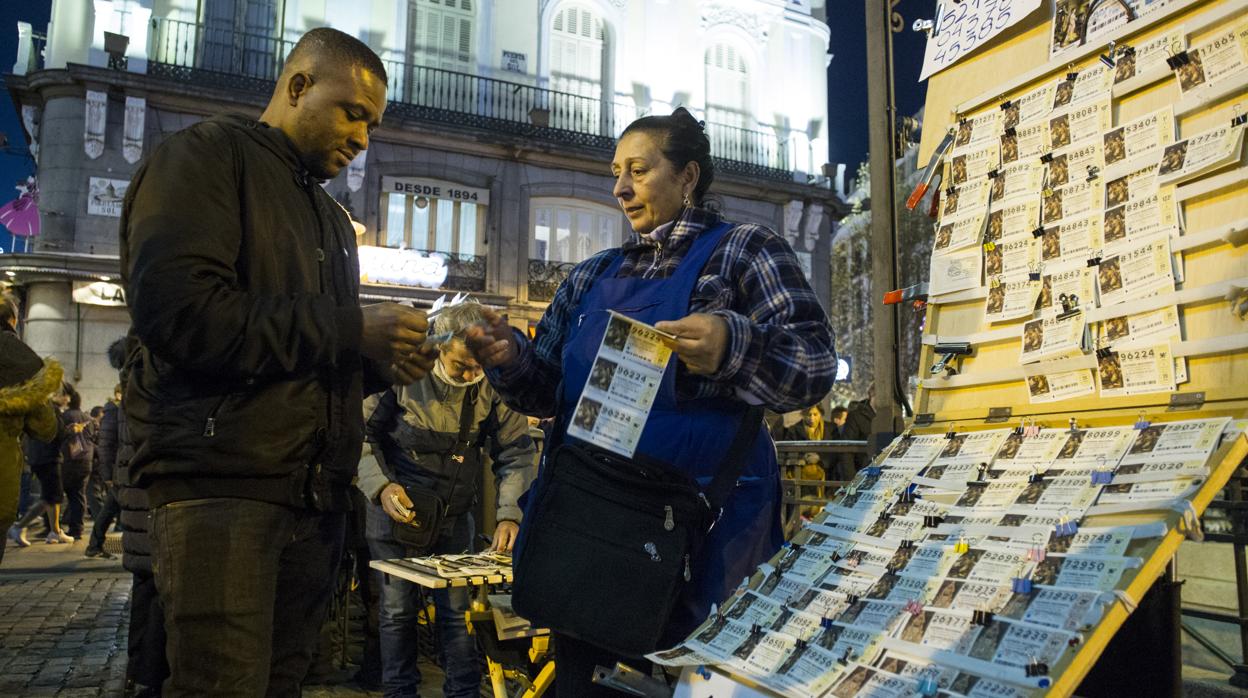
{"points": [[414, 446]]}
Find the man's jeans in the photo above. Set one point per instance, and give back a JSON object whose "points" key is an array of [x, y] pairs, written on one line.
{"points": [[104, 518], [245, 586], [400, 606]]}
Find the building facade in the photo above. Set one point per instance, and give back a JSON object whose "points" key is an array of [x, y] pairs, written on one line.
{"points": [[490, 173]]}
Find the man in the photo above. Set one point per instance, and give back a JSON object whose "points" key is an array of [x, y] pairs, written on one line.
{"points": [[26, 383], [415, 446], [244, 392], [857, 427], [837, 419], [111, 426]]}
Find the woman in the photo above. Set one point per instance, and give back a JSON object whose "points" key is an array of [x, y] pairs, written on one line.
{"points": [[77, 455], [44, 458], [26, 383], [749, 327]]}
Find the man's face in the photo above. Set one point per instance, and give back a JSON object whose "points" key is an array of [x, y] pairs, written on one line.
{"points": [[458, 363], [336, 111], [839, 419]]}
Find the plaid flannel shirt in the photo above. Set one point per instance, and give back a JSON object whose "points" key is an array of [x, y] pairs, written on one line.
{"points": [[780, 352]]}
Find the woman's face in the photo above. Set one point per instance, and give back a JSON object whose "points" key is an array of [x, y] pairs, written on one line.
{"points": [[649, 188]]}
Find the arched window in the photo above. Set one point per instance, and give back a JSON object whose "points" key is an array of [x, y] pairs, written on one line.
{"points": [[572, 230], [727, 87], [578, 45]]}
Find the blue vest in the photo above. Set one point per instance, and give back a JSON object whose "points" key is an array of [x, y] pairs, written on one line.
{"points": [[690, 435]]}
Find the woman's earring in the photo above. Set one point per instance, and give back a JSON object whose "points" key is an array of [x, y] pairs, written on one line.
{"points": [[687, 202]]}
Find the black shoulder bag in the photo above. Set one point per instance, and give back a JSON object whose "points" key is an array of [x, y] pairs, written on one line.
{"points": [[428, 509], [608, 545]]}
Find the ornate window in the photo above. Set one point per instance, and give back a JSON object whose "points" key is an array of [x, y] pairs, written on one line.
{"points": [[727, 87], [439, 34]]}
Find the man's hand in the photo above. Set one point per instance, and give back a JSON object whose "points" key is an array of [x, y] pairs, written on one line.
{"points": [[394, 336], [702, 340], [505, 536], [492, 344], [389, 494]]}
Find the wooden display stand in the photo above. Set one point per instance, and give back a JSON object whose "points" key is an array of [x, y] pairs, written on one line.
{"points": [[508, 649], [989, 389]]}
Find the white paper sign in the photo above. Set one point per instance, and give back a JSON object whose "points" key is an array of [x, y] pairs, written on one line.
{"points": [[962, 27]]}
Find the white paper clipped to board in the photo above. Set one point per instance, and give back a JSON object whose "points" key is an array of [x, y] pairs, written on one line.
{"points": [[962, 27]]}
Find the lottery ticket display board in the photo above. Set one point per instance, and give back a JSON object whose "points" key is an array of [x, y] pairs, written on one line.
{"points": [[970, 563], [1088, 235]]}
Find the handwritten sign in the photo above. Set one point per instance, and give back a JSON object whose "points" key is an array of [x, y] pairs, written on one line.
{"points": [[962, 27]]}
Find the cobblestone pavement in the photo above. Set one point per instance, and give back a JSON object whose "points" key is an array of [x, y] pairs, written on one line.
{"points": [[63, 627]]}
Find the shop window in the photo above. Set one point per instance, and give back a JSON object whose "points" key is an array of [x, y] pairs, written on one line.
{"points": [[570, 230], [433, 224], [727, 87]]}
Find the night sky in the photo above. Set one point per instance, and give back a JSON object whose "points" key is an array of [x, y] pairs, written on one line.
{"points": [[847, 84]]}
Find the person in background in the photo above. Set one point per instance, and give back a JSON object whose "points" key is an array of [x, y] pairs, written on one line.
{"points": [[77, 458], [750, 332], [252, 356], [836, 423], [95, 484], [26, 383], [858, 427], [412, 432], [106, 463], [44, 458]]}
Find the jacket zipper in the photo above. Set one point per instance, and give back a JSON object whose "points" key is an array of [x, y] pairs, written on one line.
{"points": [[658, 257], [210, 425]]}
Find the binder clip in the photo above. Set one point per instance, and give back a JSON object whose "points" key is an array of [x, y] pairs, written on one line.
{"points": [[994, 282], [1046, 159], [1071, 74], [1178, 59], [852, 489], [825, 622], [961, 546], [1093, 172], [756, 629], [1101, 476], [1006, 105], [932, 521], [851, 599], [990, 246], [1032, 430], [906, 496], [703, 672], [1021, 585], [1011, 132], [1038, 232], [948, 352], [1238, 119], [929, 686], [993, 174], [1018, 430], [1037, 552], [1142, 423], [845, 658], [905, 544], [980, 471], [1074, 429], [872, 470], [1104, 352], [1070, 304], [981, 617], [914, 607], [1094, 262], [836, 556], [1108, 57], [1065, 525], [885, 517], [799, 644], [950, 434], [1033, 272], [1036, 475], [1037, 668]]}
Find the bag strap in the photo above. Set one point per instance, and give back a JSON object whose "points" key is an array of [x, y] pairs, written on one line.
{"points": [[459, 452], [735, 459]]}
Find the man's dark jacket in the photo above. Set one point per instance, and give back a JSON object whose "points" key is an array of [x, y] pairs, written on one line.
{"points": [[242, 281], [858, 427]]}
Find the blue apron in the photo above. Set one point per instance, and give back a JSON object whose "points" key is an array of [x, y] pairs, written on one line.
{"points": [[690, 435]]}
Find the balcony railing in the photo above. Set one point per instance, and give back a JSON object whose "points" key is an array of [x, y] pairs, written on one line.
{"points": [[545, 277], [229, 59]]}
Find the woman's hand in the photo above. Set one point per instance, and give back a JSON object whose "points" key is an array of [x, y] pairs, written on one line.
{"points": [[701, 341], [492, 343]]}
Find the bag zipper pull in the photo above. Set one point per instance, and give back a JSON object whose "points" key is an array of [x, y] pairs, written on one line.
{"points": [[669, 523], [210, 427], [688, 574]]}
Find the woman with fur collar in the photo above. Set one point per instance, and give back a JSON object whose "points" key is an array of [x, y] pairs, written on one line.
{"points": [[26, 383]]}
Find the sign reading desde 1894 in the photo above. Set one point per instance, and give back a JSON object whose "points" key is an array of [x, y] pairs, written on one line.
{"points": [[435, 189], [962, 27]]}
